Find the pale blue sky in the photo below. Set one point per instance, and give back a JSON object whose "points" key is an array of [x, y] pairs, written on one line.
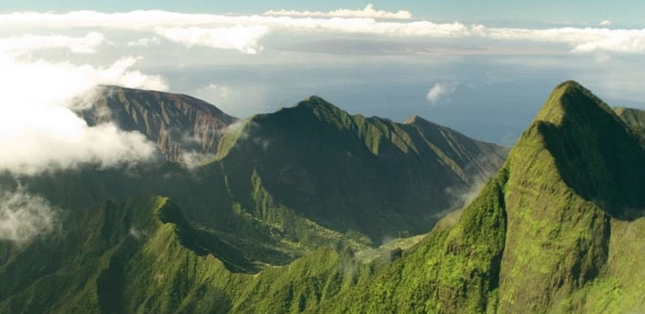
{"points": [[626, 13]]}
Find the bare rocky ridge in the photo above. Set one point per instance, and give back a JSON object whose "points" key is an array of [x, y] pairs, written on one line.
{"points": [[178, 124]]}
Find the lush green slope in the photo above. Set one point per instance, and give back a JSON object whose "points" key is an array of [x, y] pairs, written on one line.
{"points": [[310, 180], [558, 230], [283, 184], [140, 256], [358, 175], [554, 232]]}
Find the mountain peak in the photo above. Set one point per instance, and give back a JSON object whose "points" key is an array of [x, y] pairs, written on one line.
{"points": [[571, 100], [418, 120], [177, 123], [321, 108], [315, 101], [589, 148], [413, 119]]}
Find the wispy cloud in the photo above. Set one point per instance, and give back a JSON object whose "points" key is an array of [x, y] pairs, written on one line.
{"points": [[24, 217], [27, 43], [144, 42], [368, 12], [246, 32], [137, 233], [240, 38], [439, 91]]}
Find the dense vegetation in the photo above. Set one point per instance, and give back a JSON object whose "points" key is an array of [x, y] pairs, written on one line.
{"points": [[556, 230], [283, 184], [141, 256]]}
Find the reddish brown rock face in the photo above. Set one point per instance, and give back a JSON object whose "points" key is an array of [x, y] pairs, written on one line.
{"points": [[178, 124]]}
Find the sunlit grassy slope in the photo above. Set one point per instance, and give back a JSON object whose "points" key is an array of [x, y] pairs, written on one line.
{"points": [[141, 256], [559, 229], [556, 231]]}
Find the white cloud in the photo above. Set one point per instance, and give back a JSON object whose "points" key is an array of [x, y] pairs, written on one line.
{"points": [[39, 129], [240, 38], [137, 234], [583, 40], [23, 44], [144, 42], [605, 23], [626, 42], [24, 217], [367, 12], [440, 91], [245, 32]]}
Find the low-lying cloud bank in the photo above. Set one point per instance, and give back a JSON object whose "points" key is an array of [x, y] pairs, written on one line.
{"points": [[39, 127], [243, 39], [245, 33], [368, 12], [25, 44]]}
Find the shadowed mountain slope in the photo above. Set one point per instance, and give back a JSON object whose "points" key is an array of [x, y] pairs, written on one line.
{"points": [[282, 184], [351, 173], [556, 231], [284, 216]]}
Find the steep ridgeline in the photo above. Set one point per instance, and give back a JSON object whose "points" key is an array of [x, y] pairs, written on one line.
{"points": [[141, 256], [180, 125], [353, 174], [558, 230], [285, 183], [633, 117]]}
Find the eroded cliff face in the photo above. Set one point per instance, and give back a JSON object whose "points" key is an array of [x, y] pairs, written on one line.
{"points": [[180, 125]]}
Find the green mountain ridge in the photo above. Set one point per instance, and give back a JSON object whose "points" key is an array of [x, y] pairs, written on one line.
{"points": [[399, 172], [140, 256], [281, 185], [556, 231]]}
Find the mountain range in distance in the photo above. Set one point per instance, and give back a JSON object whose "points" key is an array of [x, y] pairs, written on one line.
{"points": [[312, 210]]}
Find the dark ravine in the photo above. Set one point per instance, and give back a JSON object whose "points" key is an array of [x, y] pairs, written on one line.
{"points": [[557, 229]]}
